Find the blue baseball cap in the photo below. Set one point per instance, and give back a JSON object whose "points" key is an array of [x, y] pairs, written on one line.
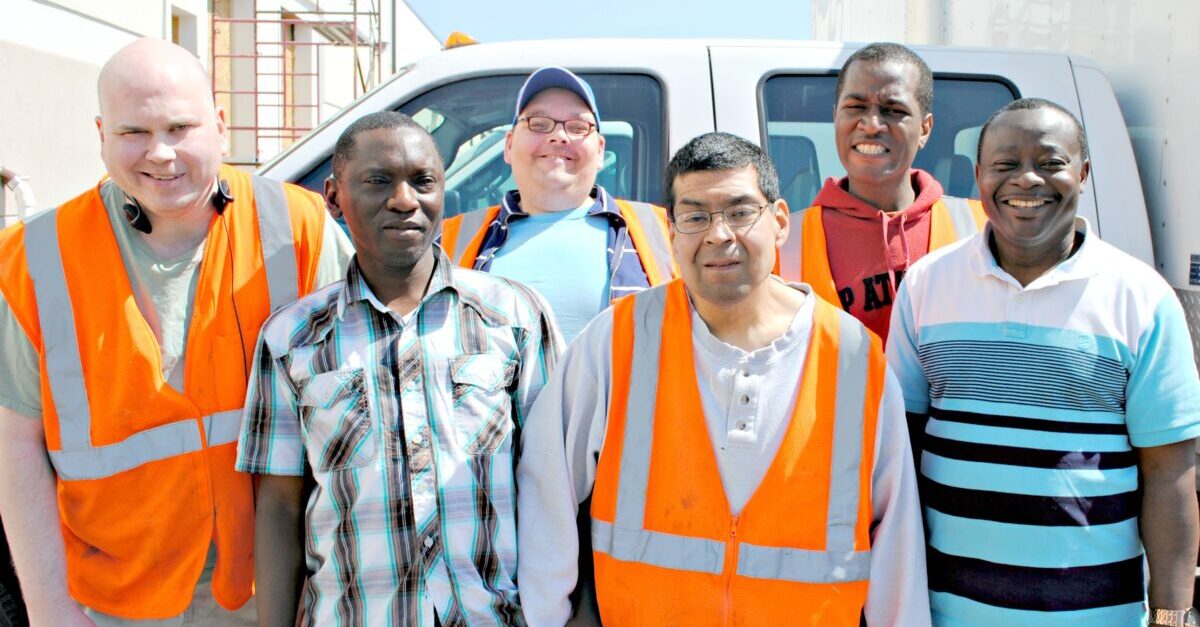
{"points": [[547, 77]]}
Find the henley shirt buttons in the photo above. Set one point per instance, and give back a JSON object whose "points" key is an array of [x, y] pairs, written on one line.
{"points": [[745, 399]]}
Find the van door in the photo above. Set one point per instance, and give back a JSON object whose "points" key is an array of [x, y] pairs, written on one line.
{"points": [[783, 98]]}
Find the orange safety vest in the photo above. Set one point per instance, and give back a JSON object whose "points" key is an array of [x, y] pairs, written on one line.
{"points": [[667, 549], [462, 237], [146, 477], [805, 258]]}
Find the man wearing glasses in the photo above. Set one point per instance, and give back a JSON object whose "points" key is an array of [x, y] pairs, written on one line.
{"points": [[743, 442], [559, 232]]}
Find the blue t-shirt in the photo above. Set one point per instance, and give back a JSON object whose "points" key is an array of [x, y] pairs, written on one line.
{"points": [[562, 256]]}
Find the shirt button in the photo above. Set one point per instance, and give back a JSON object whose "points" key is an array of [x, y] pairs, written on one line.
{"points": [[741, 425], [745, 399], [745, 373], [417, 439], [428, 542]]}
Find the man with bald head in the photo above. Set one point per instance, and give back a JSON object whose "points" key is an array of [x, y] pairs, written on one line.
{"points": [[127, 320]]}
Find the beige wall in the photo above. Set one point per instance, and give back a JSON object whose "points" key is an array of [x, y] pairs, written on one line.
{"points": [[51, 136]]}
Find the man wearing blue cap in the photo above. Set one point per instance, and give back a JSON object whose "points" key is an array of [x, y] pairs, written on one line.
{"points": [[558, 231]]}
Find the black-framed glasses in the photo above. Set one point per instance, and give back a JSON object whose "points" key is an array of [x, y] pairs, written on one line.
{"points": [[736, 216], [575, 128]]}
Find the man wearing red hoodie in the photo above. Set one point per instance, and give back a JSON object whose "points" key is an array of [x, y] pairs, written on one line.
{"points": [[864, 231]]}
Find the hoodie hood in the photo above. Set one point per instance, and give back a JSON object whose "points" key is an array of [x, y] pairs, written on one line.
{"points": [[834, 195]]}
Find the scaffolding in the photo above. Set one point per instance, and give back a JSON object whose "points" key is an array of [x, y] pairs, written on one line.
{"points": [[268, 66]]}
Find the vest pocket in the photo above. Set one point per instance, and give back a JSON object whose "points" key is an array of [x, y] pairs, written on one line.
{"points": [[336, 412], [482, 401]]}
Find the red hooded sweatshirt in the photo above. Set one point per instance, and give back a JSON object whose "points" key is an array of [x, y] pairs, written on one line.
{"points": [[869, 250]]}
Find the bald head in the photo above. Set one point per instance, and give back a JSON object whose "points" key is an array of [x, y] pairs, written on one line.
{"points": [[161, 136], [155, 62]]}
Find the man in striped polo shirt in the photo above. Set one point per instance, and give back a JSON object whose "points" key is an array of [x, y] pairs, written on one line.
{"points": [[1055, 380], [381, 413]]}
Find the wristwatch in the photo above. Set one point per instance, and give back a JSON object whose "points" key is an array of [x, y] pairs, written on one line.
{"points": [[1175, 618]]}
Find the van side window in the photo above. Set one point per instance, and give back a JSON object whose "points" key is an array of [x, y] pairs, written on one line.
{"points": [[800, 138], [469, 118]]}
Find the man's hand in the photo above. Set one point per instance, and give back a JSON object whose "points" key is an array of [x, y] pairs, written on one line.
{"points": [[1169, 522]]}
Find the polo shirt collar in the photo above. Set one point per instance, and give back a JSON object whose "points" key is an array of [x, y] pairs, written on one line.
{"points": [[1081, 265]]}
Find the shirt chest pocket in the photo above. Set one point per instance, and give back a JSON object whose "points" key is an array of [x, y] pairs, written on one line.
{"points": [[482, 401], [338, 420]]}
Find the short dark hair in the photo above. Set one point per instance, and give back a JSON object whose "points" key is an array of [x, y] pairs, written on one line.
{"points": [[882, 51], [344, 150], [721, 151], [1034, 104]]}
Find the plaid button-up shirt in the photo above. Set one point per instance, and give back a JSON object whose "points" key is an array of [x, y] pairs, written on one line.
{"points": [[408, 425]]}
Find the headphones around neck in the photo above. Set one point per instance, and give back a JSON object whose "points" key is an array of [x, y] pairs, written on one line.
{"points": [[140, 221]]}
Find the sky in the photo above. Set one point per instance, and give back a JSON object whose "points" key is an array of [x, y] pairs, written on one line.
{"points": [[505, 20]]}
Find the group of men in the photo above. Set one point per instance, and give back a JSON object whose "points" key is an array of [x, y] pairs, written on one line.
{"points": [[408, 442]]}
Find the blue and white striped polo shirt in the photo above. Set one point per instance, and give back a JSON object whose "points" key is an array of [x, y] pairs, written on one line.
{"points": [[1036, 398]]}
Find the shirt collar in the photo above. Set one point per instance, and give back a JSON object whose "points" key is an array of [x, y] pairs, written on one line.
{"points": [[1081, 265], [355, 288], [602, 205]]}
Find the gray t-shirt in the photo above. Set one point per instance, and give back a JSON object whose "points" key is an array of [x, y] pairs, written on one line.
{"points": [[164, 289]]}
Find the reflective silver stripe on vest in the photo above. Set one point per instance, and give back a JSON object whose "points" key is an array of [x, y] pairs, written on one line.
{"points": [[665, 550], [648, 309], [659, 240], [854, 347], [223, 427], [64, 367], [154, 444], [960, 216], [278, 243], [468, 225], [626, 539], [768, 562]]}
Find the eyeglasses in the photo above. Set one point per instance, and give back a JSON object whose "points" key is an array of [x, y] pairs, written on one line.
{"points": [[736, 216], [574, 128]]}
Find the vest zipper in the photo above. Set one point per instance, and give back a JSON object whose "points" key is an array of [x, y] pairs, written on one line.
{"points": [[731, 561]]}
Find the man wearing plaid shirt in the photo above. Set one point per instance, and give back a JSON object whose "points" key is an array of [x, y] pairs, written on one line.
{"points": [[381, 414]]}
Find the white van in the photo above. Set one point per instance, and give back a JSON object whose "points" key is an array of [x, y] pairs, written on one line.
{"points": [[655, 95]]}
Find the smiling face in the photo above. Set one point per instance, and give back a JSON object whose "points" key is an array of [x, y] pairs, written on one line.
{"points": [[1031, 172], [554, 164], [390, 192], [879, 125], [724, 265], [161, 138]]}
